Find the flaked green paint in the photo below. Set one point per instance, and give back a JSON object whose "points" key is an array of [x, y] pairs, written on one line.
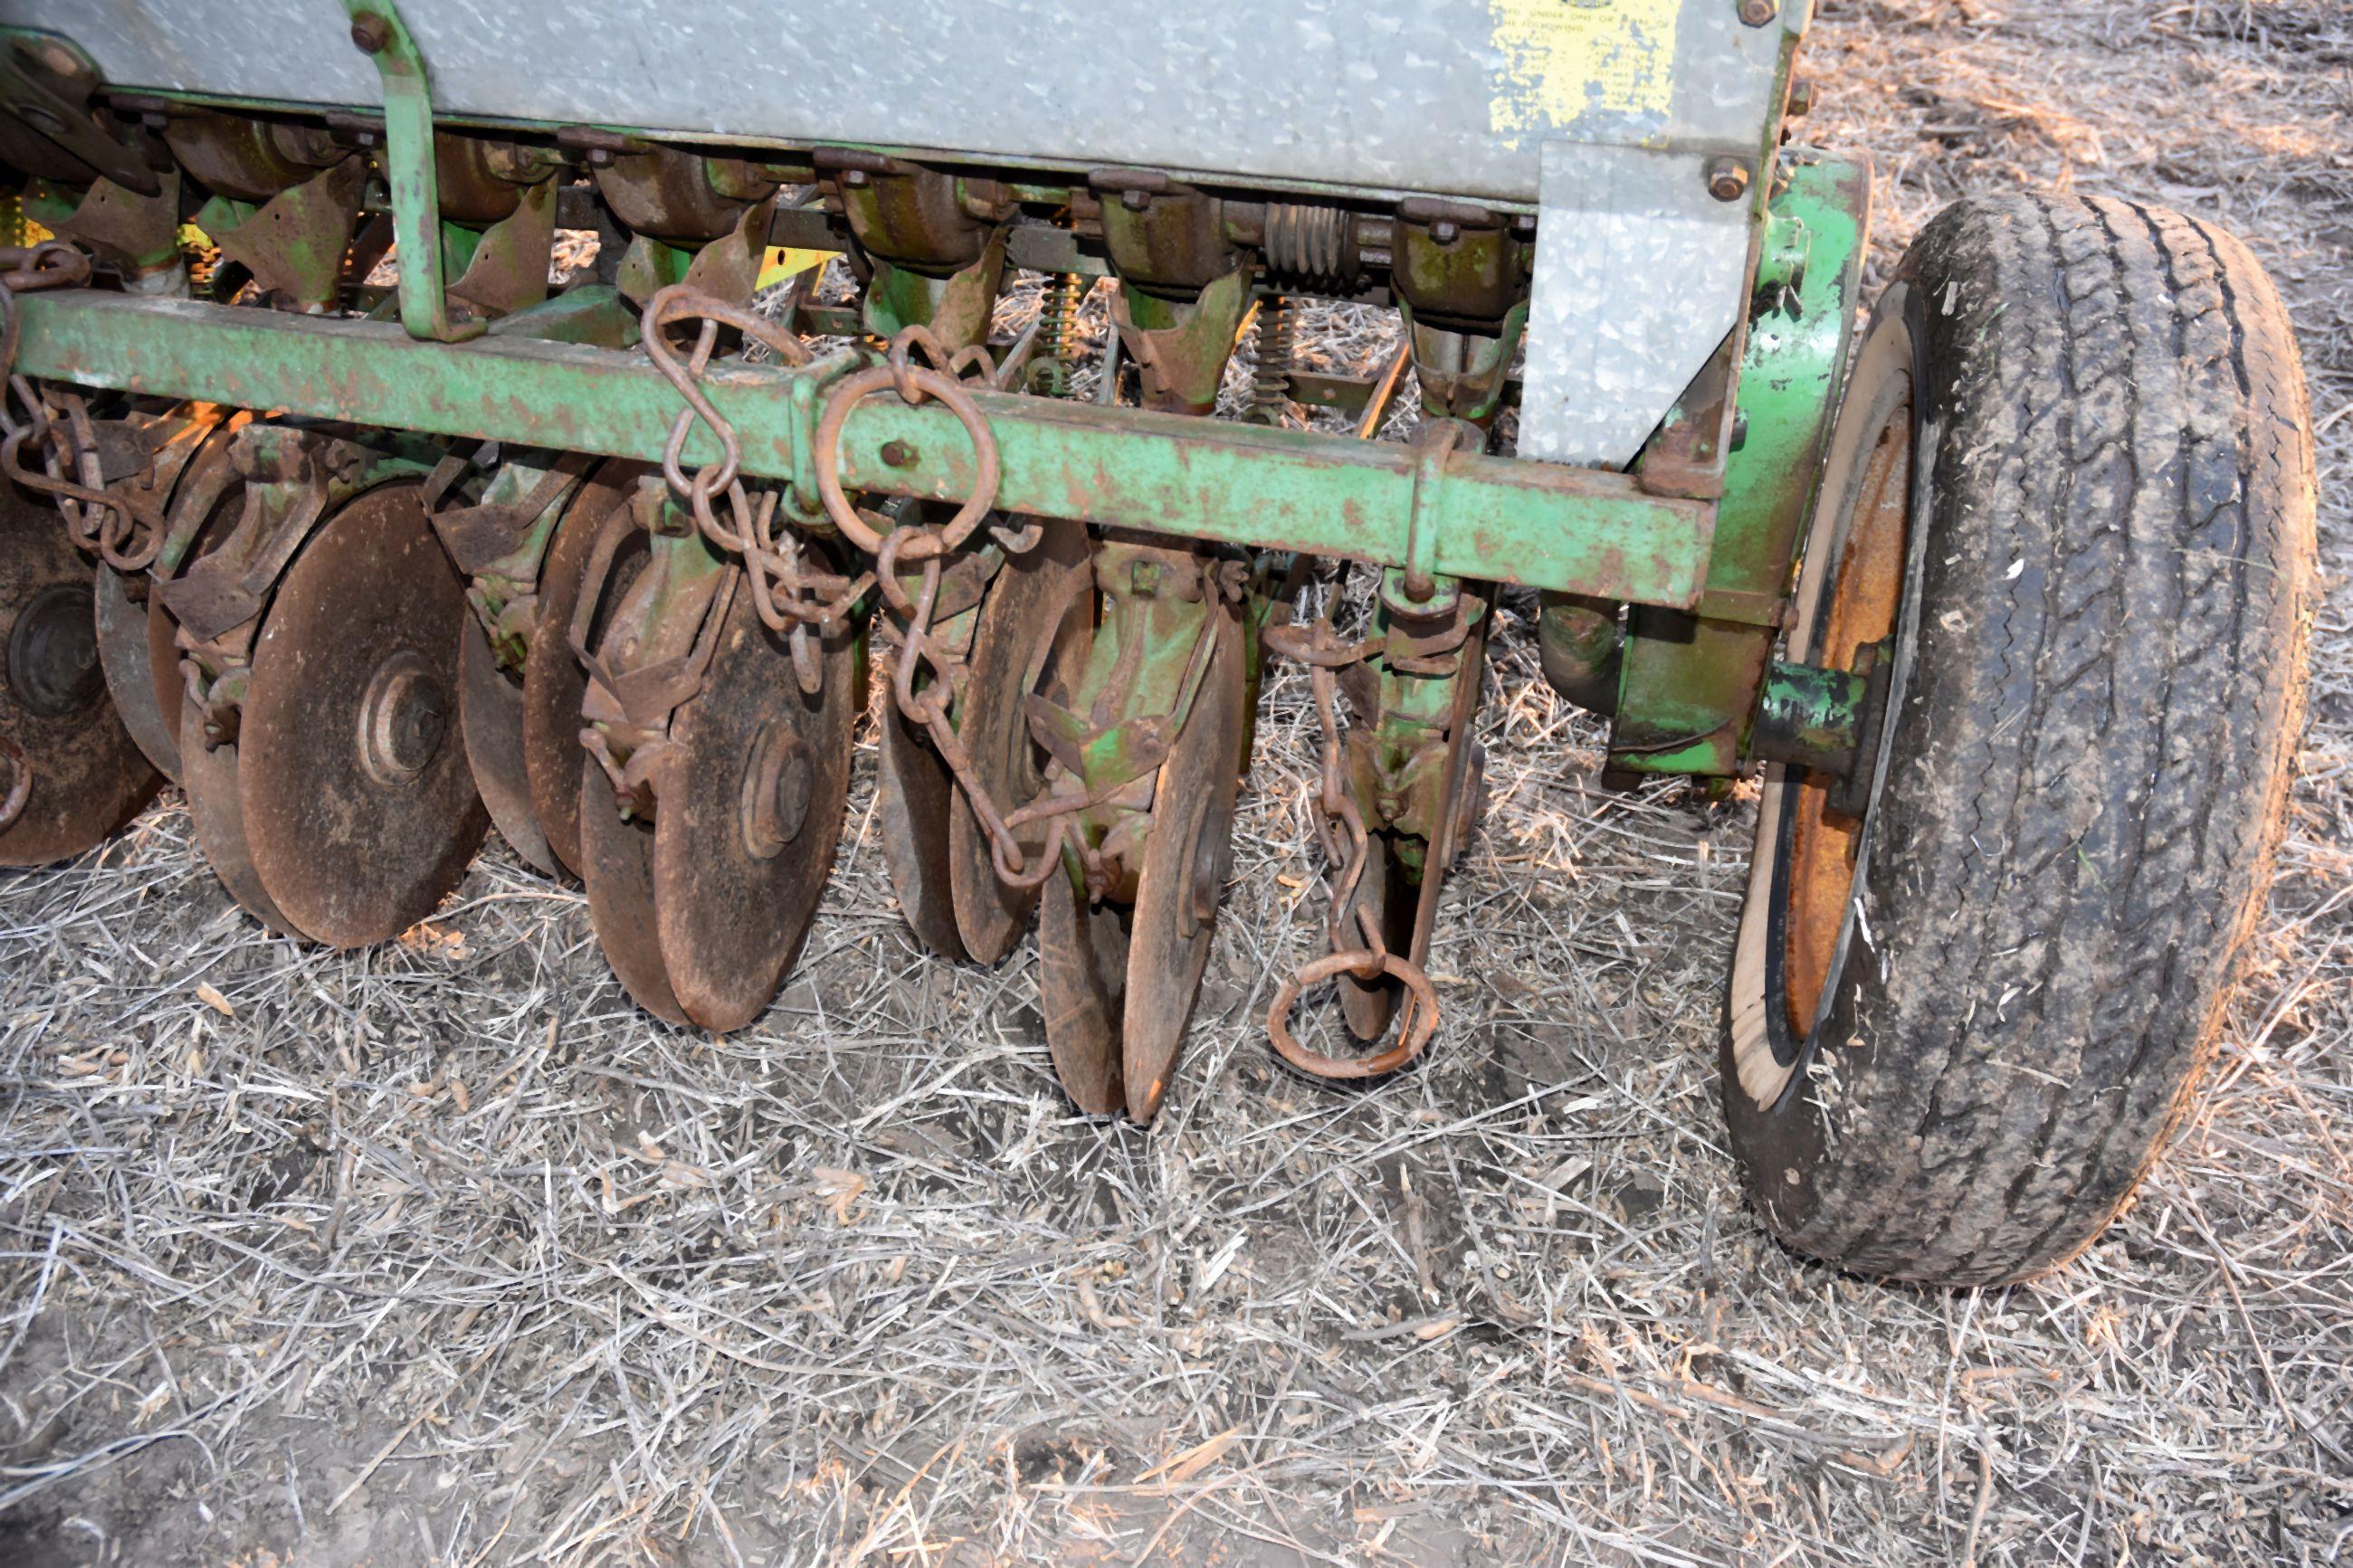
{"points": [[1810, 716], [1690, 681], [1486, 518]]}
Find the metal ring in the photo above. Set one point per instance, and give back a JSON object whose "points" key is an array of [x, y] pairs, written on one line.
{"points": [[1420, 1015], [856, 389]]}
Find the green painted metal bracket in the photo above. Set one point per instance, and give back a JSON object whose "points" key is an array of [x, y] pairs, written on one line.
{"points": [[378, 30], [1690, 681], [1808, 716], [1482, 518]]}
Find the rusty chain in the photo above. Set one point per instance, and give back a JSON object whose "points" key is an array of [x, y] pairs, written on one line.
{"points": [[927, 548], [1347, 846], [793, 599], [52, 264], [122, 530], [790, 597]]}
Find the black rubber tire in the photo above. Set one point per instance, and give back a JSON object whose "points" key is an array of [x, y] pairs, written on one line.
{"points": [[2110, 594]]}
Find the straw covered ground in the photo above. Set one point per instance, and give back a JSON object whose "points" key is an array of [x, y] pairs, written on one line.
{"points": [[445, 1254]]}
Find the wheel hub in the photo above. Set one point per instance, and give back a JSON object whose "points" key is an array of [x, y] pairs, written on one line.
{"points": [[777, 783], [53, 667], [404, 719]]}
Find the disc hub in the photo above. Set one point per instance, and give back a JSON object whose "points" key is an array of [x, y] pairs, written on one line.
{"points": [[777, 783], [403, 718], [53, 667]]}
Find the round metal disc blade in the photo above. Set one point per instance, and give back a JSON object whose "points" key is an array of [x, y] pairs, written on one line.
{"points": [[1367, 1005], [1082, 976], [552, 680], [489, 706], [1182, 877], [749, 818], [89, 777], [916, 795], [360, 811], [1035, 626], [122, 653], [616, 865], [217, 809]]}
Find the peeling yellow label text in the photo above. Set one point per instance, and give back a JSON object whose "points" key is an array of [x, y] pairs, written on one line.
{"points": [[1562, 59]]}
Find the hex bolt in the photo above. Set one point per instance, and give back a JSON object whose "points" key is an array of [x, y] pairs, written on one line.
{"points": [[1135, 201], [372, 33], [1445, 231], [1756, 13], [1802, 98], [1727, 179]]}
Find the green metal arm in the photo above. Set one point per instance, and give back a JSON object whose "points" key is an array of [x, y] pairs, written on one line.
{"points": [[377, 29], [1466, 515]]}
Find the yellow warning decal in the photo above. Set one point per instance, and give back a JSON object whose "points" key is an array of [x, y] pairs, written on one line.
{"points": [[1559, 60]]}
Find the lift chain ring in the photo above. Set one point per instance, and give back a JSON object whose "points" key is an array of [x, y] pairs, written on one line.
{"points": [[1346, 843], [927, 547]]}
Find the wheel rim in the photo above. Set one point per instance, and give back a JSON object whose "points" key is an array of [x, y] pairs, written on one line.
{"points": [[1850, 595], [1864, 599]]}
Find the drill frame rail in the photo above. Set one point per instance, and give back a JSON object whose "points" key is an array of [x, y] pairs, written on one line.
{"points": [[1460, 515]]}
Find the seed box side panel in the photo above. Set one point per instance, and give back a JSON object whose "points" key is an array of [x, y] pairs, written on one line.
{"points": [[1444, 97]]}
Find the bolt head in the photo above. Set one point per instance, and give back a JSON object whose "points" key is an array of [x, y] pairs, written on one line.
{"points": [[1727, 179], [1445, 232], [898, 455], [372, 33], [1802, 98], [1756, 13]]}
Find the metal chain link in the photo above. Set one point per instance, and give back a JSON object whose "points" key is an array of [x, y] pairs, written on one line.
{"points": [[790, 597], [123, 531], [803, 603], [1347, 845], [927, 548]]}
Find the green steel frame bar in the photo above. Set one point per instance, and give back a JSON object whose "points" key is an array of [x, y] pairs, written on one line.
{"points": [[1458, 515]]}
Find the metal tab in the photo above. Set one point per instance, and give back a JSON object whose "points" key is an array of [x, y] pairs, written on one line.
{"points": [[1638, 272]]}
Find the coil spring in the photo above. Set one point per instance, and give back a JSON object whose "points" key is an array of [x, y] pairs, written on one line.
{"points": [[1312, 246], [1058, 333], [1271, 381]]}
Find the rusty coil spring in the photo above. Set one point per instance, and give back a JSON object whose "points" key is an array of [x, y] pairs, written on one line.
{"points": [[1342, 828], [1270, 380]]}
